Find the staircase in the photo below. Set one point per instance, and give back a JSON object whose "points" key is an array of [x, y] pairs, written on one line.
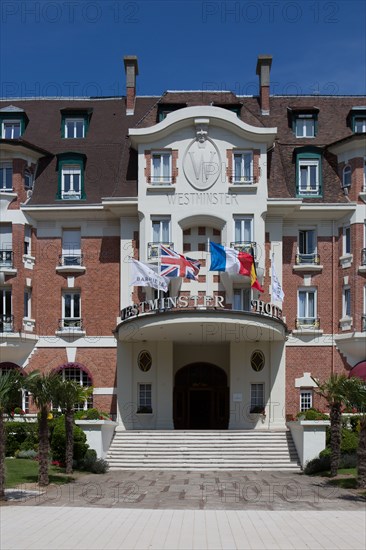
{"points": [[202, 450]]}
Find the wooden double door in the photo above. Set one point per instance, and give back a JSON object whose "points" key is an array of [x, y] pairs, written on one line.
{"points": [[201, 398]]}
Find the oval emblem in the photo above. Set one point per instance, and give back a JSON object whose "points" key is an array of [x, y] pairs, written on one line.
{"points": [[202, 164]]}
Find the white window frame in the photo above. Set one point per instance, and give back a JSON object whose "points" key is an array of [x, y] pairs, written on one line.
{"points": [[5, 292], [243, 296], [28, 179], [301, 127], [306, 399], [346, 302], [88, 403], [307, 231], [243, 177], [70, 170], [361, 120], [257, 400], [241, 225], [71, 256], [312, 318], [161, 221], [308, 163], [4, 167], [13, 123], [347, 176], [347, 243], [161, 178], [27, 240], [74, 319], [27, 312], [74, 121]]}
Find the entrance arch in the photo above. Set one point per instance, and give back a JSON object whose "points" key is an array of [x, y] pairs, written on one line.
{"points": [[201, 398]]}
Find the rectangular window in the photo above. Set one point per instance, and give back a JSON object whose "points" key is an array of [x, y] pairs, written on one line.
{"points": [[27, 240], [6, 176], [71, 247], [11, 129], [71, 182], [161, 169], [28, 180], [144, 398], [256, 398], [71, 310], [305, 126], [346, 302], [161, 231], [306, 307], [359, 125], [243, 230], [6, 245], [74, 128], [307, 246], [308, 177], [27, 303], [347, 239], [242, 297], [6, 317], [306, 400], [243, 167]]}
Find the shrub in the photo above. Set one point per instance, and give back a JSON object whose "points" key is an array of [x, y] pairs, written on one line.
{"points": [[20, 434], [317, 465], [312, 414], [30, 453], [349, 442], [58, 442], [100, 466], [88, 460], [348, 460], [355, 423]]}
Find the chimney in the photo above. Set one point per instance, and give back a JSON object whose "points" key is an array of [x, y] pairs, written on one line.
{"points": [[263, 69], [132, 70]]}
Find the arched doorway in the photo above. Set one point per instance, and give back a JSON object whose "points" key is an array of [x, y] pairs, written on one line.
{"points": [[201, 398]]}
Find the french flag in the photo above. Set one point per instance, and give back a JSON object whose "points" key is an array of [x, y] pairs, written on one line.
{"points": [[234, 262]]}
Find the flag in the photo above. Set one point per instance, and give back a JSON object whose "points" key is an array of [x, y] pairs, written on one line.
{"points": [[277, 292], [234, 262], [173, 264], [143, 275]]}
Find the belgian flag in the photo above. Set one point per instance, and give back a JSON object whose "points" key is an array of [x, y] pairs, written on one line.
{"points": [[254, 283]]}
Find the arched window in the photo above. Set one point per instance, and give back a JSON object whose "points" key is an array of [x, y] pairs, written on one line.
{"points": [[23, 403], [78, 373], [347, 176]]}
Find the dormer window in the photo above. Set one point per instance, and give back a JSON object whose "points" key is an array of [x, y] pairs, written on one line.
{"points": [[75, 123], [161, 169], [164, 109], [13, 121], [357, 119], [359, 124], [71, 176], [304, 121], [243, 167], [308, 172], [305, 126]]}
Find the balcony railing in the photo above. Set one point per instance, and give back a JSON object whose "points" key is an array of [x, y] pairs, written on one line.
{"points": [[70, 259], [161, 180], [308, 259], [237, 179], [6, 323], [307, 322], [363, 323], [245, 246], [6, 258], [70, 324], [153, 249], [363, 256]]}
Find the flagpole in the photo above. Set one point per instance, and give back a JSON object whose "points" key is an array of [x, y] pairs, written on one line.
{"points": [[207, 272]]}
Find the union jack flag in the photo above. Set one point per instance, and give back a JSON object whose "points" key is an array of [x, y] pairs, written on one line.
{"points": [[173, 264]]}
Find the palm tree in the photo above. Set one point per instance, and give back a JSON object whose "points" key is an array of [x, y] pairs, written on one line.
{"points": [[334, 390], [357, 398], [68, 395], [10, 384], [42, 387]]}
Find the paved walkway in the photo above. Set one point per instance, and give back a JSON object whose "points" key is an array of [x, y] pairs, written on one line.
{"points": [[173, 510]]}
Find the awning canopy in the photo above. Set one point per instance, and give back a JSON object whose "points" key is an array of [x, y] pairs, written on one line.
{"points": [[359, 370]]}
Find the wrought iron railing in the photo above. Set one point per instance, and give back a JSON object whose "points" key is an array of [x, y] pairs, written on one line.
{"points": [[308, 259], [6, 323], [161, 180], [153, 249], [307, 322], [237, 179], [70, 323], [6, 258], [70, 259], [363, 256], [245, 246]]}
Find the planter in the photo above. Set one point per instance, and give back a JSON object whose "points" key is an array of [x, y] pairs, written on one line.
{"points": [[308, 437], [99, 434]]}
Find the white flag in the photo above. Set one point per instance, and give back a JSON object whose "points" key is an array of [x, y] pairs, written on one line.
{"points": [[277, 292], [143, 275]]}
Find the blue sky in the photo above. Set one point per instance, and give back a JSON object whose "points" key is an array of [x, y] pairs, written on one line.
{"points": [[75, 48]]}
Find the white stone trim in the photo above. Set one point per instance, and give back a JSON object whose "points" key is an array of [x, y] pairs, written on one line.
{"points": [[89, 341], [105, 391], [305, 381]]}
